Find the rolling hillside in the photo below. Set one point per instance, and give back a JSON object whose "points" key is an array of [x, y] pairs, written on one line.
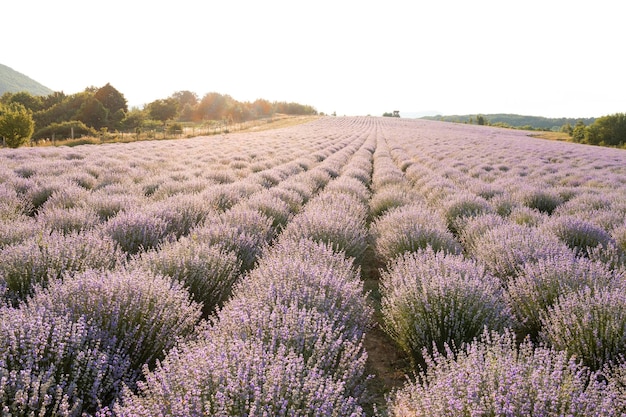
{"points": [[515, 120], [13, 81]]}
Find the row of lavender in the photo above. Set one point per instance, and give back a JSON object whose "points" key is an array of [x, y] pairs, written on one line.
{"points": [[490, 241], [89, 306], [290, 340], [466, 231]]}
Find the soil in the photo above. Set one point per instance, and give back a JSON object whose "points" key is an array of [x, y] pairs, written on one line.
{"points": [[386, 362]]}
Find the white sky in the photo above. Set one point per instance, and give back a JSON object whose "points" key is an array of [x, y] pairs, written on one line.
{"points": [[553, 58]]}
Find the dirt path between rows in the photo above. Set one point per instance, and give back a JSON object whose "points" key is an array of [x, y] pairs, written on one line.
{"points": [[386, 362]]}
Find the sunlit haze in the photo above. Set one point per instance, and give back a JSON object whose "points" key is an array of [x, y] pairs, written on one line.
{"points": [[549, 58]]}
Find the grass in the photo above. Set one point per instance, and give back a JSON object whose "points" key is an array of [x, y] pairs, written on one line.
{"points": [[276, 122], [557, 136]]}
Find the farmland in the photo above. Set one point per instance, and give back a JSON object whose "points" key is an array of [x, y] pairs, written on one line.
{"points": [[251, 274]]}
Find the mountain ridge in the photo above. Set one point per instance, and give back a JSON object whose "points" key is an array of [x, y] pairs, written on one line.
{"points": [[12, 81]]}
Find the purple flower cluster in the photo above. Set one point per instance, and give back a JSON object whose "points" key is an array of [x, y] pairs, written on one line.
{"points": [[541, 284], [492, 376], [408, 229], [431, 300], [207, 270], [589, 324], [127, 306], [42, 258], [53, 365]]}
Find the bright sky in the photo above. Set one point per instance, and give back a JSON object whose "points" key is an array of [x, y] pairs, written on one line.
{"points": [[553, 58]]}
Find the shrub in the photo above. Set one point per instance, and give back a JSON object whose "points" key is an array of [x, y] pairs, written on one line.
{"points": [[333, 218], [506, 248], [136, 312], [311, 275], [589, 324], [54, 366], [543, 200], [350, 186], [12, 206], [320, 338], [207, 270], [136, 231], [474, 227], [68, 220], [181, 213], [461, 207], [430, 300], [46, 257], [491, 376], [540, 284], [108, 204], [235, 379], [409, 229], [526, 216], [390, 197], [578, 234], [242, 230], [65, 130], [17, 230], [271, 205]]}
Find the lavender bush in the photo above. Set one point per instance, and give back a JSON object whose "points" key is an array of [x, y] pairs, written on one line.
{"points": [[236, 378], [544, 200], [430, 300], [51, 365], [461, 207], [492, 376], [45, 257], [67, 220], [540, 285], [242, 230], [391, 196], [506, 248], [589, 324], [207, 270], [334, 218], [473, 228], [408, 229], [311, 275], [578, 234], [136, 231], [136, 312], [326, 341], [273, 206]]}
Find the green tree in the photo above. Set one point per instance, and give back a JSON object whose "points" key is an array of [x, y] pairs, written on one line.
{"points": [[93, 113], [111, 99], [163, 109], [608, 130], [29, 101], [579, 132], [134, 119], [16, 124]]}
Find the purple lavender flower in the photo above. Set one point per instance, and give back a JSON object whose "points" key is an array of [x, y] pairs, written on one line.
{"points": [[135, 311], [52, 365], [408, 229], [589, 324], [430, 300], [492, 376]]}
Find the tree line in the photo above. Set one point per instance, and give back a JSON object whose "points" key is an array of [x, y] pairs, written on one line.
{"points": [[604, 131], [24, 116]]}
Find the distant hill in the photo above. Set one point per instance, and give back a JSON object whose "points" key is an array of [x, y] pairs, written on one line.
{"points": [[515, 120], [12, 81]]}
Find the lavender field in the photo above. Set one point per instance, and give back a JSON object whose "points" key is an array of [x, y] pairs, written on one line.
{"points": [[225, 275]]}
